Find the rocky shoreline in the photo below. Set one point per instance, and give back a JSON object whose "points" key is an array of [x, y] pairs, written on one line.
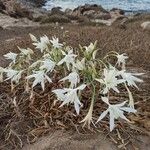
{"points": [[31, 11]]}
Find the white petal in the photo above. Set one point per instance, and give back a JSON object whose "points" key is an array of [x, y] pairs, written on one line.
{"points": [[115, 89], [33, 38], [128, 109], [124, 117], [77, 107], [61, 62], [81, 87], [121, 104], [49, 80], [102, 115], [111, 121], [43, 85], [105, 99]]}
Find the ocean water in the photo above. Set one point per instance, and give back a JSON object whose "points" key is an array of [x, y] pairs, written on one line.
{"points": [[127, 5]]}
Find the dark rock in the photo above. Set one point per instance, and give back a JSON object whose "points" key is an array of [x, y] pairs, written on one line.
{"points": [[38, 15], [1, 28], [89, 11], [2, 6], [118, 11], [17, 9], [57, 10], [83, 19], [68, 11], [56, 18], [87, 7], [37, 3]]}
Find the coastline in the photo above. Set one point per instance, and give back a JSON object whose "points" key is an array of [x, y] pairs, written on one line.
{"points": [[85, 14], [129, 6]]}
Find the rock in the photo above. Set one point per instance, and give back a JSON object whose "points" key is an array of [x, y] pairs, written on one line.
{"points": [[57, 10], [68, 11], [2, 6], [19, 9], [37, 3], [91, 11], [37, 15], [117, 14], [8, 22], [83, 20], [104, 16], [87, 12], [118, 11], [87, 7], [103, 22], [56, 18], [146, 25], [1, 28]]}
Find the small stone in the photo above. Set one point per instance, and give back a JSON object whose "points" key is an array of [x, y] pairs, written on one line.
{"points": [[146, 25]]}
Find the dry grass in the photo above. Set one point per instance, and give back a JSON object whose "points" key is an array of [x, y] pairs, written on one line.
{"points": [[32, 119]]}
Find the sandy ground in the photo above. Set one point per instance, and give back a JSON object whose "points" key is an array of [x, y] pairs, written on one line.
{"points": [[130, 39]]}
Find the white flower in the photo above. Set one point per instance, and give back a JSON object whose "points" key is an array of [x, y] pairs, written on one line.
{"points": [[26, 52], [48, 65], [110, 80], [14, 75], [42, 44], [40, 77], [130, 78], [1, 74], [73, 77], [68, 59], [115, 112], [69, 95], [33, 38], [121, 59], [80, 65], [11, 56], [55, 42], [90, 48], [60, 94]]}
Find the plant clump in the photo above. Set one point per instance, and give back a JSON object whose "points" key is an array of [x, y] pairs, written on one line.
{"points": [[74, 72]]}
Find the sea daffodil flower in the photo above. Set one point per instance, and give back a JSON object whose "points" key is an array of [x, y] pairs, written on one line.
{"points": [[13, 75], [110, 80], [40, 77], [1, 74], [79, 65], [26, 52], [131, 78], [73, 78], [68, 59], [121, 59], [90, 50], [55, 42], [69, 95], [33, 38], [42, 44], [48, 65], [11, 56], [115, 112]]}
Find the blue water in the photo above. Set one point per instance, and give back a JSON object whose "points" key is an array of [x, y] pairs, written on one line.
{"points": [[128, 5]]}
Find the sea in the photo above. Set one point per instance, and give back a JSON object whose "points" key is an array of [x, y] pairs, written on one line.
{"points": [[127, 5]]}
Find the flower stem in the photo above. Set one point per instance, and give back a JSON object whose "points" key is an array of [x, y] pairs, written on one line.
{"points": [[88, 118]]}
